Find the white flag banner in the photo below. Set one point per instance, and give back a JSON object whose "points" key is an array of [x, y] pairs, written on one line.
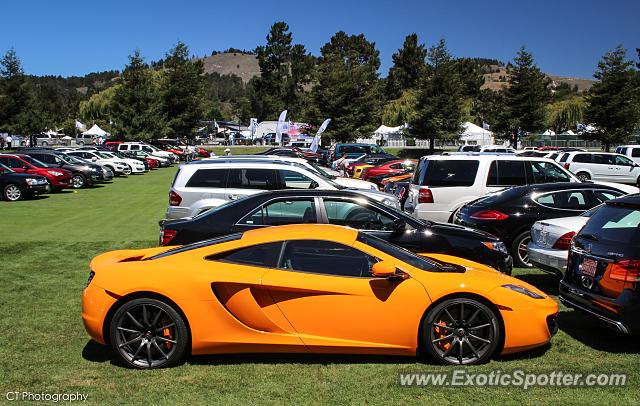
{"points": [[280, 126], [316, 140], [80, 126], [253, 126]]}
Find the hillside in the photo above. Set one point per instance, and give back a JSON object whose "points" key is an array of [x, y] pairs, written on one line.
{"points": [[496, 79], [243, 65]]}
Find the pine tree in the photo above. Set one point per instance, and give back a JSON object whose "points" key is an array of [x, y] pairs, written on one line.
{"points": [[408, 67], [471, 76], [524, 99], [285, 70], [439, 107], [17, 113], [136, 103], [612, 102], [181, 91], [348, 89]]}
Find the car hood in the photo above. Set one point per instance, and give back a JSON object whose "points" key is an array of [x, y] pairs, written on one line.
{"points": [[355, 183], [461, 231]]}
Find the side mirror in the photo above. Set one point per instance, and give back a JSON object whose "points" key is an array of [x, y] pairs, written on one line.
{"points": [[398, 226], [383, 269], [94, 159]]}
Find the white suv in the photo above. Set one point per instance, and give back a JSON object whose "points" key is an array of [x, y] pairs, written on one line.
{"points": [[631, 151], [442, 184], [201, 185], [117, 165], [149, 149], [602, 166]]}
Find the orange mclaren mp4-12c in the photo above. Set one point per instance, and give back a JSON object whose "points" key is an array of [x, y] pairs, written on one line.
{"points": [[307, 288]]}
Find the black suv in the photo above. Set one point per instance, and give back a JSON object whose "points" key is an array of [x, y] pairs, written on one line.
{"points": [[603, 270], [84, 174], [17, 186]]}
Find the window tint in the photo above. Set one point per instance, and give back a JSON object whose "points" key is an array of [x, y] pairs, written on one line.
{"points": [[544, 172], [402, 254], [603, 159], [296, 180], [623, 160], [602, 196], [564, 157], [615, 224], [264, 255], [447, 173], [584, 158], [262, 179], [635, 152], [212, 178], [282, 212], [326, 257], [507, 173], [14, 163], [350, 214], [568, 200], [396, 166]]}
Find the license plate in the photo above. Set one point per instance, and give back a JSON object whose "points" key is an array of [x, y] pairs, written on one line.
{"points": [[589, 267]]}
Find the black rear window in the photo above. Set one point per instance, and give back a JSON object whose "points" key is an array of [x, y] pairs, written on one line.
{"points": [[615, 224], [210, 178], [450, 173], [585, 158], [635, 152], [507, 173]]}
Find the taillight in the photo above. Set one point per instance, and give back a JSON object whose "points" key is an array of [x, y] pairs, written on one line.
{"points": [[174, 199], [166, 236], [402, 192], [489, 215], [564, 242], [566, 165], [627, 271], [425, 195]]}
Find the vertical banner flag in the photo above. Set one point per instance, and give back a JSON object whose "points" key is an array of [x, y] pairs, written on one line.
{"points": [[253, 126], [316, 140], [80, 126], [280, 125]]}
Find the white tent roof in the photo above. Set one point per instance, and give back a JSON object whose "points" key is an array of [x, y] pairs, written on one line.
{"points": [[476, 133], [548, 132], [383, 129], [569, 132], [96, 131]]}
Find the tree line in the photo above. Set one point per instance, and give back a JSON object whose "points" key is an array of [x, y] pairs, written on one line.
{"points": [[426, 87]]}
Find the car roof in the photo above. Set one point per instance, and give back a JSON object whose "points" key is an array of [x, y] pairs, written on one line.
{"points": [[238, 162], [629, 200], [483, 156]]}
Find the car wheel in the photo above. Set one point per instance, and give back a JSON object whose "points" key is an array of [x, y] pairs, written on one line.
{"points": [[81, 143], [148, 333], [638, 182], [78, 181], [12, 193], [127, 170], [461, 331], [45, 143], [519, 250], [583, 176]]}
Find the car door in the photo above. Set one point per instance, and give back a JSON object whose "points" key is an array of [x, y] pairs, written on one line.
{"points": [[243, 182], [626, 170], [503, 174], [279, 212], [326, 291], [604, 168]]}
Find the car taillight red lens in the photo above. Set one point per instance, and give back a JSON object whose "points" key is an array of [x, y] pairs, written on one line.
{"points": [[566, 165], [627, 271], [489, 215], [166, 236], [564, 242], [174, 199], [425, 195]]}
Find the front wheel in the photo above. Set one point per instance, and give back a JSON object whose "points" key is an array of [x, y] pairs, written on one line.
{"points": [[461, 331], [147, 333], [12, 193], [519, 250], [127, 170], [583, 176], [78, 181]]}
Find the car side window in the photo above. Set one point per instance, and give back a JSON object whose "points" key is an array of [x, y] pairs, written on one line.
{"points": [[15, 163], [635, 152], [135, 147], [208, 178], [282, 212], [623, 161], [396, 166], [543, 172], [507, 173], [326, 257], [296, 180], [583, 158], [261, 179], [263, 255], [602, 196], [567, 200], [351, 214]]}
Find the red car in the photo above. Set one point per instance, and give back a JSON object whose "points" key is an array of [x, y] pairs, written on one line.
{"points": [[389, 168], [58, 178], [203, 152], [152, 163]]}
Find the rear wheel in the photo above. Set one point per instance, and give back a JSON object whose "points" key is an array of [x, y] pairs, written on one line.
{"points": [[583, 176], [127, 170], [461, 331], [78, 181], [148, 333], [519, 250], [12, 193]]}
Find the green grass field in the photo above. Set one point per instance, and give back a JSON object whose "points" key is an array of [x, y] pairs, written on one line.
{"points": [[45, 249]]}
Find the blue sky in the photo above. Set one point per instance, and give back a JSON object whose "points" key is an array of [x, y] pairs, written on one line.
{"points": [[77, 37]]}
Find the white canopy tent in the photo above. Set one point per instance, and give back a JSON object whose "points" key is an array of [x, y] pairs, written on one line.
{"points": [[549, 132], [385, 132], [475, 135], [96, 131]]}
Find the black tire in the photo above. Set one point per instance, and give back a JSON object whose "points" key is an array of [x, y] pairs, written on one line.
{"points": [[128, 171], [81, 143], [45, 143], [78, 181], [12, 193], [583, 176], [519, 250], [149, 327], [461, 331]]}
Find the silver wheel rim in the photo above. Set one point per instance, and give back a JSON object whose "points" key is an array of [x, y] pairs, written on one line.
{"points": [[127, 170], [77, 181], [523, 254], [583, 177], [13, 192]]}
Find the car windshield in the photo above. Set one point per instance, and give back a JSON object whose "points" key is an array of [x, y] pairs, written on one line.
{"points": [[72, 159], [34, 161], [321, 171], [328, 180], [5, 169]]}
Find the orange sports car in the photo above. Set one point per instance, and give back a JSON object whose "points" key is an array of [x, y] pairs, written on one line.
{"points": [[307, 288]]}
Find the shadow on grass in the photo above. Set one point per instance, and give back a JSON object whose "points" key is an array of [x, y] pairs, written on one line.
{"points": [[529, 354], [38, 197], [546, 282], [322, 359], [592, 333]]}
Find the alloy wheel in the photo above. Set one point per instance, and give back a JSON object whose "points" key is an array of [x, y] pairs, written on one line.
{"points": [[523, 254], [12, 193], [77, 181], [127, 170]]}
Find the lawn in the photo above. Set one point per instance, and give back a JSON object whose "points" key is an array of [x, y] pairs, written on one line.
{"points": [[44, 256]]}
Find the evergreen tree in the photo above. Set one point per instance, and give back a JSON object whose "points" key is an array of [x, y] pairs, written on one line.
{"points": [[524, 99], [181, 93], [17, 115], [612, 102], [285, 70], [440, 99], [408, 67], [348, 88], [471, 76], [136, 103]]}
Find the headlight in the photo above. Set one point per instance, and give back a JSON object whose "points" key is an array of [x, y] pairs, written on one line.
{"points": [[31, 181], [56, 173], [496, 246], [523, 290]]}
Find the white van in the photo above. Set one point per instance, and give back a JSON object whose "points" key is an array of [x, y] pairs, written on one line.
{"points": [[630, 151], [149, 149], [602, 166]]}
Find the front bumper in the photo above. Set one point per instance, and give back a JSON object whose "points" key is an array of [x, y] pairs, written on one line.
{"points": [[529, 327], [35, 190], [547, 259]]}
